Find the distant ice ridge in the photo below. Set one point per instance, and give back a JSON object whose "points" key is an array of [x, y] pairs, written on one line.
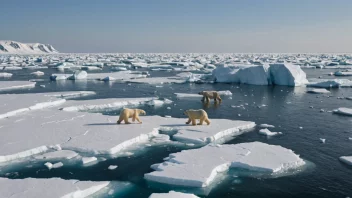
{"points": [[44, 188], [172, 194], [199, 167], [14, 47], [267, 74]]}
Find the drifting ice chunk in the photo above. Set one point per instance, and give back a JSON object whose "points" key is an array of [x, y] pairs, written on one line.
{"points": [[346, 159], [79, 75], [87, 160], [267, 126], [5, 75], [343, 111], [37, 73], [318, 91], [267, 132], [58, 165], [56, 155], [172, 194], [199, 167], [112, 167], [48, 165], [330, 83], [54, 187], [9, 85], [339, 73]]}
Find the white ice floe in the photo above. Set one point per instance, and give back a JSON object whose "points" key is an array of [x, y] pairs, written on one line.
{"points": [[101, 105], [44, 188], [122, 76], [277, 74], [78, 75], [58, 165], [267, 126], [199, 167], [37, 73], [186, 95], [112, 167], [14, 104], [318, 91], [48, 165], [346, 159], [10, 68], [99, 134], [329, 83], [267, 132], [57, 155], [86, 160], [343, 111], [322, 140], [5, 75], [9, 85], [341, 73], [172, 194]]}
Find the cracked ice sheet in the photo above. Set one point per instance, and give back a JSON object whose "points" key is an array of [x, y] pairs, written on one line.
{"points": [[96, 133], [104, 104], [44, 188], [198, 167], [9, 85], [14, 104]]}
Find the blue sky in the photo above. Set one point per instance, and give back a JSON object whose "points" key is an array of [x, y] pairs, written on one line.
{"points": [[181, 25]]}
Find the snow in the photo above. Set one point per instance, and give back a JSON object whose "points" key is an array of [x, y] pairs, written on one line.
{"points": [[86, 160], [172, 194], [44, 188], [122, 75], [343, 111], [186, 95], [199, 167], [14, 104], [266, 126], [346, 159], [101, 105], [267, 132], [9, 85], [318, 91], [14, 47], [5, 75], [57, 155], [97, 133], [277, 74], [37, 73]]}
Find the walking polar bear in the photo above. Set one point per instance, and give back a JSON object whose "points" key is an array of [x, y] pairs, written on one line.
{"points": [[193, 115], [130, 113], [207, 95]]}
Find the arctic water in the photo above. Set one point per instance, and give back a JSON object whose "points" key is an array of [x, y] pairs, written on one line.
{"points": [[303, 119]]}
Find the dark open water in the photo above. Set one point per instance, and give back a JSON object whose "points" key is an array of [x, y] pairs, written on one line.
{"points": [[287, 108]]}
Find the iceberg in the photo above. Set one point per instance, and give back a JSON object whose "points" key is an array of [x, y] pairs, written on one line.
{"points": [[199, 167]]}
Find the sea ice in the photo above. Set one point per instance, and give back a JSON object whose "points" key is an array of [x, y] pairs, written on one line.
{"points": [[112, 167], [346, 159], [58, 165], [86, 160], [343, 111], [172, 194], [267, 132], [267, 126], [37, 73], [57, 155], [9, 85], [44, 188], [5, 75], [199, 167], [318, 91]]}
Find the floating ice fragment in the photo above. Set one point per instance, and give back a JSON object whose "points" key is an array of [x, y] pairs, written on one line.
{"points": [[112, 167], [267, 132], [322, 140], [48, 165], [267, 126], [87, 160]]}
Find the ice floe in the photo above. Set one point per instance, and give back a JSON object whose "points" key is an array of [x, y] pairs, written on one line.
{"points": [[99, 134], [199, 167], [44, 188], [343, 111], [266, 126], [9, 85], [172, 194], [122, 75], [267, 132], [330, 83], [318, 91], [5, 75], [57, 155], [346, 159]]}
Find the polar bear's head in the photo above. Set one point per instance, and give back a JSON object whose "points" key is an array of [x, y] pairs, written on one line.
{"points": [[142, 112]]}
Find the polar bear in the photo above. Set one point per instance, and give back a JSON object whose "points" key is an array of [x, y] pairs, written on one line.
{"points": [[130, 113], [197, 114], [207, 95]]}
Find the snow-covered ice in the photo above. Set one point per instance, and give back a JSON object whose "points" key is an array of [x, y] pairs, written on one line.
{"points": [[343, 111], [97, 133], [267, 132], [86, 160], [57, 155], [122, 75], [9, 85], [266, 126], [5, 75], [199, 167], [172, 194], [112, 167], [44, 188], [346, 159], [318, 91]]}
